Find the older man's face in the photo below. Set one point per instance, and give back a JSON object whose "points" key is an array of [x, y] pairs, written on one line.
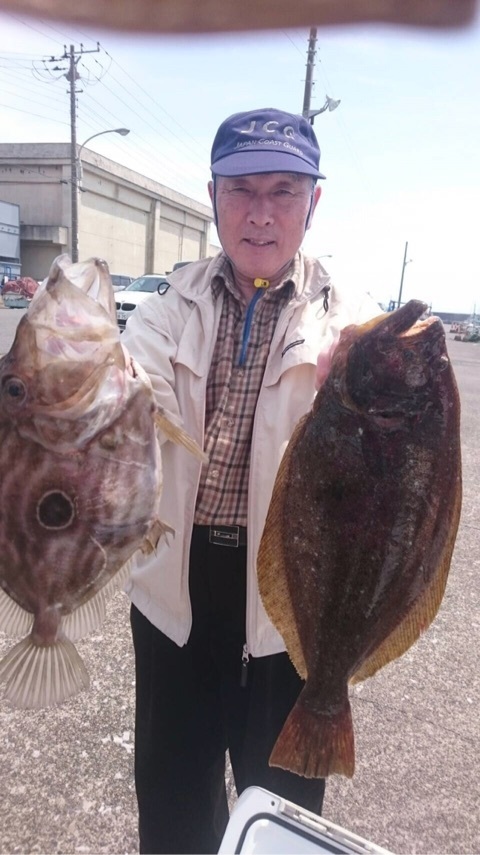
{"points": [[261, 220]]}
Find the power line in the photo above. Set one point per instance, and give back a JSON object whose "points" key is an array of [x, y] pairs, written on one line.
{"points": [[51, 69], [148, 94], [146, 122], [301, 52], [91, 112], [34, 97], [30, 113], [31, 27]]}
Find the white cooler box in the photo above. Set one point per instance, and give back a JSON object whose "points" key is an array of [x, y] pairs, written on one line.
{"points": [[262, 823]]}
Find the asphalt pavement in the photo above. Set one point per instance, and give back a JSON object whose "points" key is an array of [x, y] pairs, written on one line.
{"points": [[66, 774]]}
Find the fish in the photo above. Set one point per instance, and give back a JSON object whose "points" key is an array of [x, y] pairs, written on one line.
{"points": [[80, 478], [359, 534]]}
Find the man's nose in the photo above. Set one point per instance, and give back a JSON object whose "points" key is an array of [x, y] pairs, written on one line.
{"points": [[261, 210]]}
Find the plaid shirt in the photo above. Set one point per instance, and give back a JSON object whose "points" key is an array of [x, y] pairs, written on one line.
{"points": [[234, 381]]}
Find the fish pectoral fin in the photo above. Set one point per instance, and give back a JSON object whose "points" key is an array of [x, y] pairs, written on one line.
{"points": [[316, 745], [157, 530], [41, 676], [179, 435], [13, 619]]}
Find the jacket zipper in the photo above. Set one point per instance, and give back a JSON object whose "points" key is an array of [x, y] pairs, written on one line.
{"points": [[252, 602], [244, 671]]}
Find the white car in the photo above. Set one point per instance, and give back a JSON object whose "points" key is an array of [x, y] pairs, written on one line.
{"points": [[128, 299], [120, 282]]}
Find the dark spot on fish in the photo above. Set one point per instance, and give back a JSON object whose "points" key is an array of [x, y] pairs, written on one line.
{"points": [[55, 510], [15, 388], [109, 440]]}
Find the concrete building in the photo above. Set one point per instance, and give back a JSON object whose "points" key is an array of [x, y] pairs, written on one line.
{"points": [[136, 224], [9, 240]]}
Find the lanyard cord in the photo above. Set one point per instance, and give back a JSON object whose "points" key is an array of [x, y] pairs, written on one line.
{"points": [[248, 324]]}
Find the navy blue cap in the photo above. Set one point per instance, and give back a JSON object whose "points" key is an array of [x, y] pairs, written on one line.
{"points": [[265, 140]]}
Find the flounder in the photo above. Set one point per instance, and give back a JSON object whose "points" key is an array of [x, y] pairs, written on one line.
{"points": [[359, 535], [80, 478]]}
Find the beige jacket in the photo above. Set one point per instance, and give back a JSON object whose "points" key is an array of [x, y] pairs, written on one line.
{"points": [[172, 337]]}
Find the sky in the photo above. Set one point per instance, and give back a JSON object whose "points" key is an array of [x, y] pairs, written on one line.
{"points": [[401, 152]]}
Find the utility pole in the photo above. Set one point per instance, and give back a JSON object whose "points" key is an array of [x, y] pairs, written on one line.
{"points": [[405, 262], [72, 76], [307, 96], [330, 104]]}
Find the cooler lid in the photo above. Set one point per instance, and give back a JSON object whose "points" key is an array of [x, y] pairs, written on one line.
{"points": [[262, 823]]}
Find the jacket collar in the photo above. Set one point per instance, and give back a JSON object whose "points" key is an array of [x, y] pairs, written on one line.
{"points": [[307, 274]]}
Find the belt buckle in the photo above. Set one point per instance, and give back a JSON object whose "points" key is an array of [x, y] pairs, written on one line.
{"points": [[220, 537]]}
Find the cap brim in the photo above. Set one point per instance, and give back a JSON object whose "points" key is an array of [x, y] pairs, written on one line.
{"points": [[254, 162]]}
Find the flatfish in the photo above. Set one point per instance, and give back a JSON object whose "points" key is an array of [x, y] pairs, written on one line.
{"points": [[359, 535]]}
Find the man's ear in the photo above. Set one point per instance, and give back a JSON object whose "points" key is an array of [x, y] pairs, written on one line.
{"points": [[317, 192], [211, 193]]}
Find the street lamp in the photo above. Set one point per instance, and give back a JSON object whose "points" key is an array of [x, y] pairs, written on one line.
{"points": [[405, 262], [330, 104], [76, 177]]}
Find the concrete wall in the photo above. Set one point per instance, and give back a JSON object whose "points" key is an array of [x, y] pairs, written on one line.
{"points": [[136, 224]]}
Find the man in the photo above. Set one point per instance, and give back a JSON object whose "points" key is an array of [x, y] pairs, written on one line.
{"points": [[231, 349]]}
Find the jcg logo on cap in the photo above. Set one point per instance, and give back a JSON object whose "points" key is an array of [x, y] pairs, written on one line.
{"points": [[266, 140], [268, 128]]}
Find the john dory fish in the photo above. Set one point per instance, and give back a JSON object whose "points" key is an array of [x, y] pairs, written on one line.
{"points": [[80, 478], [358, 539]]}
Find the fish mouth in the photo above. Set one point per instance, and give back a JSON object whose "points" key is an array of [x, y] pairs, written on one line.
{"points": [[392, 363], [407, 315], [405, 322], [406, 319]]}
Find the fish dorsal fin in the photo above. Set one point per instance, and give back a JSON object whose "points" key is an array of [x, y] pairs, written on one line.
{"points": [[272, 575], [40, 676], [13, 619], [422, 613], [179, 435]]}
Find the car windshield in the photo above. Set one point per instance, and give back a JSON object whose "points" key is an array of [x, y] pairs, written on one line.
{"points": [[146, 283]]}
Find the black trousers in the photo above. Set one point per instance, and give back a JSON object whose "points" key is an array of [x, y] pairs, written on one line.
{"points": [[192, 703]]}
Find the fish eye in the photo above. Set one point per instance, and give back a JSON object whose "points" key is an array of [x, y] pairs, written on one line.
{"points": [[55, 510], [14, 388]]}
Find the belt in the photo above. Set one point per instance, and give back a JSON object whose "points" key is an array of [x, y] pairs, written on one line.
{"points": [[225, 535]]}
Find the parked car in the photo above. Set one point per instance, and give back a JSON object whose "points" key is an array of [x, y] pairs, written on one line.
{"points": [[120, 282], [127, 300]]}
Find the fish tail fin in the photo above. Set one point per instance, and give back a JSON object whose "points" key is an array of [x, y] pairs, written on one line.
{"points": [[316, 745], [179, 435], [41, 676]]}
